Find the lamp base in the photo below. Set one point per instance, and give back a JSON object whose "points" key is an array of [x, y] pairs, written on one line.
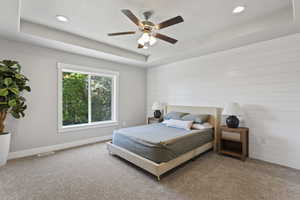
{"points": [[157, 114], [232, 122]]}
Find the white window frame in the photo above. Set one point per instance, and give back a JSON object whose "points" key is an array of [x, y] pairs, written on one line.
{"points": [[62, 67]]}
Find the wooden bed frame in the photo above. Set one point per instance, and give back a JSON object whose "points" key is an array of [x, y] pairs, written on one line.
{"points": [[158, 169]]}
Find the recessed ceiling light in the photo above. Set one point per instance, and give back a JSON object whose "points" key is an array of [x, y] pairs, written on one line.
{"points": [[239, 9], [62, 18]]}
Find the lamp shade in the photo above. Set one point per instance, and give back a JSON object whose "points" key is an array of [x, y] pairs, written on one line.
{"points": [[232, 108], [156, 106]]}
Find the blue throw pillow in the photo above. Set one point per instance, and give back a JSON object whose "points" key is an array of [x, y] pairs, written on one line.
{"points": [[199, 119], [174, 115]]}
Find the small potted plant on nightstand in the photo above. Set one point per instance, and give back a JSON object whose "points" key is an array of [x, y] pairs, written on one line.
{"points": [[12, 85]]}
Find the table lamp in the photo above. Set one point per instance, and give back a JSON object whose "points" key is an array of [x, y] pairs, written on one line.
{"points": [[157, 109], [232, 110]]}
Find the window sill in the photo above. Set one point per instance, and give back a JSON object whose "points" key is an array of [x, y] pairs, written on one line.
{"points": [[87, 126]]}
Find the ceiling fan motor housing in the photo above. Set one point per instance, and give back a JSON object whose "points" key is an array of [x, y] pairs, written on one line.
{"points": [[147, 26]]}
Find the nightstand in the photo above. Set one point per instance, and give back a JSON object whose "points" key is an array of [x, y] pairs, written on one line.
{"points": [[152, 120], [234, 142]]}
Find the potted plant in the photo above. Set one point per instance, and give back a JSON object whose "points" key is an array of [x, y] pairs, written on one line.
{"points": [[12, 85]]}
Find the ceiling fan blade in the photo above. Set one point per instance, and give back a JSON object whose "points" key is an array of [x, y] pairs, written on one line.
{"points": [[170, 22], [131, 16], [140, 46], [165, 38], [121, 33]]}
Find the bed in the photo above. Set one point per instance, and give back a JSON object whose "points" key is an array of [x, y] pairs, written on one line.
{"points": [[157, 148], [160, 143]]}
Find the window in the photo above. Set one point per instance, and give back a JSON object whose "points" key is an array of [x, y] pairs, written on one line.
{"points": [[87, 97]]}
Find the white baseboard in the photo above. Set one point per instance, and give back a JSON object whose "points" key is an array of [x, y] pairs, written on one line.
{"points": [[35, 151], [275, 161]]}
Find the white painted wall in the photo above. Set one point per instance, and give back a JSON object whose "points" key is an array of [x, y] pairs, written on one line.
{"points": [[39, 127], [264, 78]]}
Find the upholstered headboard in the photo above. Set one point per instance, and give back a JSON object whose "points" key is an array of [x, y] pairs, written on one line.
{"points": [[213, 112]]}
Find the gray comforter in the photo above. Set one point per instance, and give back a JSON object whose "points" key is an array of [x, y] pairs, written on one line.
{"points": [[160, 143]]}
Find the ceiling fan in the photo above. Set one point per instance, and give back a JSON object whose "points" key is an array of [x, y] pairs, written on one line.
{"points": [[149, 29]]}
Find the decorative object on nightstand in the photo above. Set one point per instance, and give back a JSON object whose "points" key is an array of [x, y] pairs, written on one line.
{"points": [[157, 109], [152, 120], [232, 110], [234, 142]]}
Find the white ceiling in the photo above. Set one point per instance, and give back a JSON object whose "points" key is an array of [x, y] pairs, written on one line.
{"points": [[208, 23]]}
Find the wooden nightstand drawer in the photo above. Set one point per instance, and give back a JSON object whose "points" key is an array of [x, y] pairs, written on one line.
{"points": [[232, 136]]}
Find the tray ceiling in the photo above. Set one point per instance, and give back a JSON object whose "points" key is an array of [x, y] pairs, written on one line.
{"points": [[207, 23]]}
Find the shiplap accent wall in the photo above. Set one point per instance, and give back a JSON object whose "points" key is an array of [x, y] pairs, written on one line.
{"points": [[264, 78]]}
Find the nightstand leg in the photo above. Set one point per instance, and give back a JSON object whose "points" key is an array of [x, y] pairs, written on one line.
{"points": [[247, 144], [243, 158], [244, 147], [220, 145]]}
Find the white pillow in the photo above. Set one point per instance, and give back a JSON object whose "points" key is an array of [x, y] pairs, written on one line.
{"points": [[187, 125], [166, 121], [202, 126]]}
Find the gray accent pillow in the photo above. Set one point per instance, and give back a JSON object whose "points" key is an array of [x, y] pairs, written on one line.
{"points": [[175, 115], [198, 119]]}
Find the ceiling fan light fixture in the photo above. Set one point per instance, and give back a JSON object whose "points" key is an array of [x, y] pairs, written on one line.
{"points": [[145, 37], [141, 41], [147, 40], [152, 40]]}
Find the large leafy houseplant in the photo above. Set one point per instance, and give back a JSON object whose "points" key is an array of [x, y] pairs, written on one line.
{"points": [[12, 86]]}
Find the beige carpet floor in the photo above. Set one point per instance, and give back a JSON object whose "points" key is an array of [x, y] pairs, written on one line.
{"points": [[89, 173]]}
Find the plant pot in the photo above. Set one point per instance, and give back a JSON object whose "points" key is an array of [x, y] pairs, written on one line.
{"points": [[4, 147]]}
